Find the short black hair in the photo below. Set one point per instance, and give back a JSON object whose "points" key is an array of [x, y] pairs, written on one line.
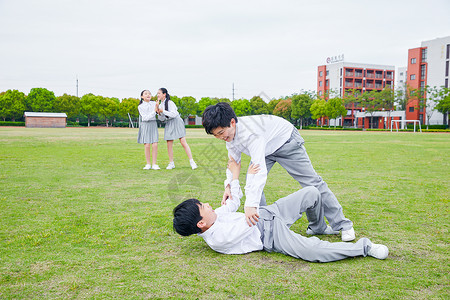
{"points": [[186, 216], [218, 115]]}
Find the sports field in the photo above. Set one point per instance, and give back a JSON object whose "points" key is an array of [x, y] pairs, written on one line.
{"points": [[79, 218]]}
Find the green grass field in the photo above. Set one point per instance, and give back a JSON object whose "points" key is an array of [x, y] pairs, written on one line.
{"points": [[81, 219]]}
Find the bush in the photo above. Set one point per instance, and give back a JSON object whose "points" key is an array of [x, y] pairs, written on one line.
{"points": [[411, 126], [121, 124], [193, 126], [329, 128], [92, 124], [72, 124], [10, 123], [435, 130]]}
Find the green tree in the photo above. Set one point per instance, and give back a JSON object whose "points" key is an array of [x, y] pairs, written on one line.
{"points": [[430, 98], [40, 100], [241, 107], [12, 105], [89, 106], [272, 104], [352, 98], [444, 104], [223, 100], [335, 108], [67, 104], [259, 106], [187, 106], [107, 108], [204, 103], [301, 107], [405, 96], [129, 106], [371, 101], [175, 100], [283, 109], [318, 110], [387, 102]]}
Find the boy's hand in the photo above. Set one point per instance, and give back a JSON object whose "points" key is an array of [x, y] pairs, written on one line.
{"points": [[251, 215], [253, 169], [226, 195]]}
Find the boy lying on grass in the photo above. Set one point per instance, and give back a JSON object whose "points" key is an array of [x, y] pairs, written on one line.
{"points": [[226, 231]]}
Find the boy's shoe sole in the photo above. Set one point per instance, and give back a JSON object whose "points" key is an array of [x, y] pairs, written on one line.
{"points": [[378, 251]]}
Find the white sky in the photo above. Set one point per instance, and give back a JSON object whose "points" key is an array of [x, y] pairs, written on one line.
{"points": [[199, 48]]}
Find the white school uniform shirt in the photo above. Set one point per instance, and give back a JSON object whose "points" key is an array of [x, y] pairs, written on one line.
{"points": [[147, 111], [168, 114], [257, 136], [230, 233]]}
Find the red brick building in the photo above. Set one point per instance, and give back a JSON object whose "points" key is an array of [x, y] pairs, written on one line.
{"points": [[43, 120]]}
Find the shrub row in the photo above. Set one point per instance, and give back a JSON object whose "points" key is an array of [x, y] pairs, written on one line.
{"points": [[411, 126], [10, 123]]}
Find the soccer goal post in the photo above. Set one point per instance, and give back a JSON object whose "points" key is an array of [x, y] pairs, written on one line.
{"points": [[404, 122]]}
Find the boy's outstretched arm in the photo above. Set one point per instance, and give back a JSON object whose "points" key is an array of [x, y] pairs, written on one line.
{"points": [[251, 213], [232, 204]]}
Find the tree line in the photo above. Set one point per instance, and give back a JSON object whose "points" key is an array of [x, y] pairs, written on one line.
{"points": [[300, 109]]}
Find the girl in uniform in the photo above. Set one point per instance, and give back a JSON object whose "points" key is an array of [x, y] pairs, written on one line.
{"points": [[174, 128], [148, 129]]}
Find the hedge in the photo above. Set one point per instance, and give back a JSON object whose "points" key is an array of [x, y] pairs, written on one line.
{"points": [[411, 126], [10, 123]]}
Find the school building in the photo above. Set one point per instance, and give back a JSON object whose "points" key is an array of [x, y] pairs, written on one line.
{"points": [[428, 65], [339, 77]]}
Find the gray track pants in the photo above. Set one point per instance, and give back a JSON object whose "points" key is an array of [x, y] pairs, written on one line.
{"points": [[276, 220], [293, 158]]}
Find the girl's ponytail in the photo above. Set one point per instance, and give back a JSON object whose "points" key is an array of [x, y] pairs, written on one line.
{"points": [[164, 91]]}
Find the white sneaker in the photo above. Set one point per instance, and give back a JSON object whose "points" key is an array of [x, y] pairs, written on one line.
{"points": [[348, 235], [328, 230], [378, 251], [193, 165], [156, 167], [147, 167], [170, 166]]}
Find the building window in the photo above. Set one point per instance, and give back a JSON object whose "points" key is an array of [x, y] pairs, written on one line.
{"points": [[320, 74], [411, 109], [320, 93], [412, 77], [424, 55], [320, 83], [422, 85], [326, 82], [448, 51], [446, 68], [413, 61], [401, 73], [328, 72], [341, 71], [446, 82], [422, 72]]}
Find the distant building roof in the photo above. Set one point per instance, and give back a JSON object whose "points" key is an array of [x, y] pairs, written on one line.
{"points": [[45, 114]]}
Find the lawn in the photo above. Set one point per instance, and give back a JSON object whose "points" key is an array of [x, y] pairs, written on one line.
{"points": [[81, 219]]}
